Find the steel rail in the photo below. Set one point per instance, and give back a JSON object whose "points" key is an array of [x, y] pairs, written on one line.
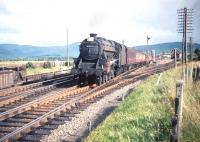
{"points": [[39, 101], [10, 99], [22, 88], [88, 96]]}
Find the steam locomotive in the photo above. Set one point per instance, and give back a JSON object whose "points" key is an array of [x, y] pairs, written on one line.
{"points": [[100, 60]]}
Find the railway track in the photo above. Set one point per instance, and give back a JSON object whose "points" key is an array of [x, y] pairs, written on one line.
{"points": [[23, 97], [27, 122], [23, 88], [33, 81]]}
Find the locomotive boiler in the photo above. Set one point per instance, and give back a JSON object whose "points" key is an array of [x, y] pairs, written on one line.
{"points": [[101, 59]]}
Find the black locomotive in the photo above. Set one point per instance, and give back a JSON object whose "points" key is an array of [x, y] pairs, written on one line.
{"points": [[101, 59]]}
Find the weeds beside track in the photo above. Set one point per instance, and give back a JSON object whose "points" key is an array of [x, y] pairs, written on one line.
{"points": [[146, 114]]}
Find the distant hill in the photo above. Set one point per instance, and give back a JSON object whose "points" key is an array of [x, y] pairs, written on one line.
{"points": [[12, 51], [164, 47]]}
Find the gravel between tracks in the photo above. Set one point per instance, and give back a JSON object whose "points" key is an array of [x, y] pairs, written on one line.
{"points": [[93, 112]]}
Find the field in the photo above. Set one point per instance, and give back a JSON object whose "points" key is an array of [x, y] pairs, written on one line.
{"points": [[146, 113], [38, 66], [17, 63], [39, 70]]}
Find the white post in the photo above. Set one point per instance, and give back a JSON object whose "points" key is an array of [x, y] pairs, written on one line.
{"points": [[123, 96], [89, 124], [158, 81]]}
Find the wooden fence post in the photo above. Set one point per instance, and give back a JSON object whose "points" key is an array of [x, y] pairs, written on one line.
{"points": [[187, 72], [179, 94], [191, 69], [198, 73], [177, 119]]}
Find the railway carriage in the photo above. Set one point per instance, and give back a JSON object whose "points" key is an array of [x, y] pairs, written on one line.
{"points": [[101, 59]]}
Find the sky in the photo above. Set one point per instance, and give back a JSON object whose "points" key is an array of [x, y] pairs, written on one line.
{"points": [[45, 22]]}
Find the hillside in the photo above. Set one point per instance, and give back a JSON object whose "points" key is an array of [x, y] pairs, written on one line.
{"points": [[12, 51], [164, 47]]}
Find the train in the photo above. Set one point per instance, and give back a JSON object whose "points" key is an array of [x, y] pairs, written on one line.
{"points": [[101, 59]]}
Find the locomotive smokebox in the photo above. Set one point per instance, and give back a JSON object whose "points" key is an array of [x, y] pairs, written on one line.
{"points": [[94, 35]]}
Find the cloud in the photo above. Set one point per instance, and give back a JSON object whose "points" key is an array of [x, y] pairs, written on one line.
{"points": [[3, 8], [98, 18], [44, 22], [5, 29]]}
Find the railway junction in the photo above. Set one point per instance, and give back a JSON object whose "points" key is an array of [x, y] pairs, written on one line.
{"points": [[60, 110]]}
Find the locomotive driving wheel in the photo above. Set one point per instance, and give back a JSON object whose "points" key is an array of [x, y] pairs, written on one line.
{"points": [[104, 78], [82, 80], [109, 76], [99, 80]]}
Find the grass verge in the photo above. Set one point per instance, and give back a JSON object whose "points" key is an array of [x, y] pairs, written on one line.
{"points": [[146, 114], [190, 130]]}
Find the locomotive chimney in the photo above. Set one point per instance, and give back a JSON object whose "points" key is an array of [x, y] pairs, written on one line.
{"points": [[94, 35]]}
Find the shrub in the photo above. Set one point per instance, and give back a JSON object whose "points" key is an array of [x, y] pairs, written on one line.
{"points": [[197, 54], [30, 65], [47, 65]]}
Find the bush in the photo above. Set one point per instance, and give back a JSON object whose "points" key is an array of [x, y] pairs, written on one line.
{"points": [[30, 65], [196, 55], [47, 65]]}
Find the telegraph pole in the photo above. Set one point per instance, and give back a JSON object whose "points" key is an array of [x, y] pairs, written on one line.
{"points": [[67, 49], [185, 35], [190, 45], [184, 27]]}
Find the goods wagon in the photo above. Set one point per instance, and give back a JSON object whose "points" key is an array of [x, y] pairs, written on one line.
{"points": [[9, 76], [6, 79]]}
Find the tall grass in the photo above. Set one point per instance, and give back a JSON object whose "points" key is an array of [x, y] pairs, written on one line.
{"points": [[190, 130], [146, 114]]}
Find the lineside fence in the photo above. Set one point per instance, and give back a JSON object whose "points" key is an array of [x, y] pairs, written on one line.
{"points": [[188, 72], [196, 74], [177, 118]]}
